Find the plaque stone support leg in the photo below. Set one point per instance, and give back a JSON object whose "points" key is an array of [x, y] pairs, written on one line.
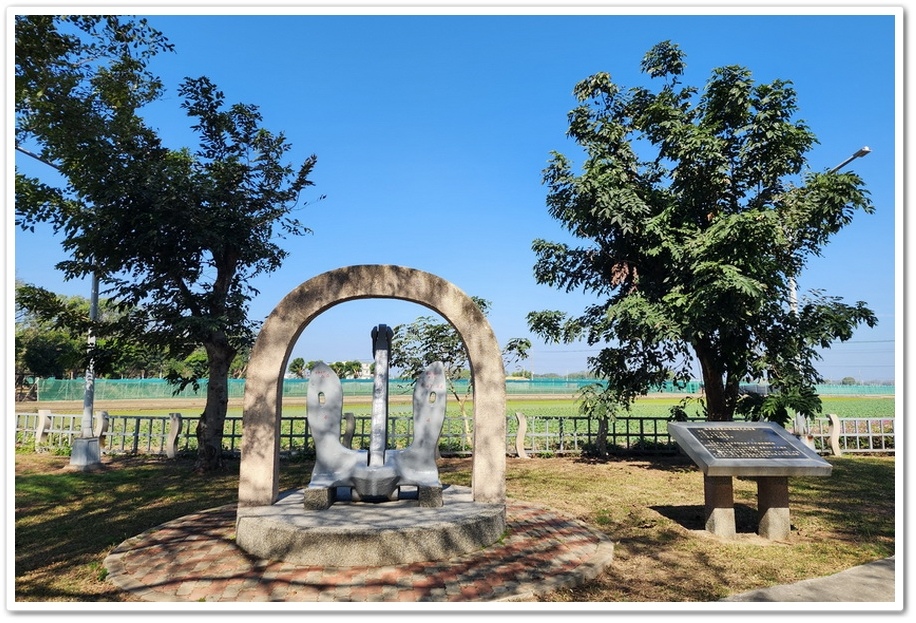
{"points": [[719, 500], [773, 507]]}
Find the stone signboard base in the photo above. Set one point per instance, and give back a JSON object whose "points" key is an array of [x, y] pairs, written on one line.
{"points": [[760, 450], [772, 506], [719, 500]]}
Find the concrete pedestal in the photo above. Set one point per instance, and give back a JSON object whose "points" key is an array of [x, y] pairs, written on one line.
{"points": [[719, 498], [347, 533], [85, 453], [773, 507], [319, 498], [429, 497]]}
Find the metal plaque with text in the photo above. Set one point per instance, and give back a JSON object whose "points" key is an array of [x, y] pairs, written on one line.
{"points": [[747, 449]]}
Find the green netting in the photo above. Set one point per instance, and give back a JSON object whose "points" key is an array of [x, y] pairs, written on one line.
{"points": [[131, 389]]}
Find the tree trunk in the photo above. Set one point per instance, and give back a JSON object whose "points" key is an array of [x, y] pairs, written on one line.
{"points": [[468, 436], [211, 422], [719, 406], [601, 438]]}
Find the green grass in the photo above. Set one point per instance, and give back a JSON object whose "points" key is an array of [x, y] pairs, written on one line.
{"points": [[67, 522]]}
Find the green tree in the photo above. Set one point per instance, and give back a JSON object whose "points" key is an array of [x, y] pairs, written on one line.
{"points": [[696, 213], [426, 340], [48, 354], [346, 369], [297, 367], [45, 344], [176, 235], [51, 337]]}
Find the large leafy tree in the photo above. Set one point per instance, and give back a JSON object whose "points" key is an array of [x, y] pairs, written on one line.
{"points": [[47, 344], [175, 234], [695, 213]]}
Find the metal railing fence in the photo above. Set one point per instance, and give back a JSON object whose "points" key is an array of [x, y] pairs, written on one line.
{"points": [[540, 434]]}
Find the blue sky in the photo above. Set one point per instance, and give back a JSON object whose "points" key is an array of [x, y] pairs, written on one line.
{"points": [[431, 132]]}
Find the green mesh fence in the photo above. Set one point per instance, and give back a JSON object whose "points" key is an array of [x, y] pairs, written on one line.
{"points": [[132, 389]]}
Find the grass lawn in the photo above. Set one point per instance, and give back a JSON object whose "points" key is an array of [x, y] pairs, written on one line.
{"points": [[67, 522]]}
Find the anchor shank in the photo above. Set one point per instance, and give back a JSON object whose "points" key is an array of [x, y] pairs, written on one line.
{"points": [[378, 440]]}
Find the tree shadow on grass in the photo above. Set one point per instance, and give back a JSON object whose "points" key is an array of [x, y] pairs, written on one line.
{"points": [[662, 462], [692, 517]]}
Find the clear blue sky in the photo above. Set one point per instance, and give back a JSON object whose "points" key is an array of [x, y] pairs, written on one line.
{"points": [[431, 132]]}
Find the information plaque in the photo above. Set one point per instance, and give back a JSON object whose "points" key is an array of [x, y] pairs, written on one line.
{"points": [[747, 449]]}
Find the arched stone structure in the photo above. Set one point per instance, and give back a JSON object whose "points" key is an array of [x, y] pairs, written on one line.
{"points": [[259, 471]]}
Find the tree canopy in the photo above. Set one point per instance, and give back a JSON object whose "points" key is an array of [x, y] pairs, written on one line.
{"points": [[174, 234], [695, 213], [51, 338]]}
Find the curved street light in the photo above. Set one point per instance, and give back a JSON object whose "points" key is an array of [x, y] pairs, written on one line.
{"points": [[862, 152], [801, 423], [85, 452], [793, 294]]}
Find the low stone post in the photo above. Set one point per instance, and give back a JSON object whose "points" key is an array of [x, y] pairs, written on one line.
{"points": [[520, 435], [43, 426], [175, 425], [834, 432], [349, 430], [102, 429]]}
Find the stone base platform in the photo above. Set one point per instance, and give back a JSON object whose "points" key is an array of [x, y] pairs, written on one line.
{"points": [[195, 558], [369, 534]]}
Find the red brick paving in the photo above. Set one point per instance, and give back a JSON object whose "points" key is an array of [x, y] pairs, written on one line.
{"points": [[194, 558]]}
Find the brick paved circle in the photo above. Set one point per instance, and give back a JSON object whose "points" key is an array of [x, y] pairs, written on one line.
{"points": [[194, 558]]}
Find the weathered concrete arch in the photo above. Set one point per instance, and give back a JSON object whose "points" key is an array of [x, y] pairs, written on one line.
{"points": [[259, 471]]}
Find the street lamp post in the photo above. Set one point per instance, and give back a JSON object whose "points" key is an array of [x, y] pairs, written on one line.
{"points": [[801, 423], [89, 395], [793, 292], [85, 452], [862, 152]]}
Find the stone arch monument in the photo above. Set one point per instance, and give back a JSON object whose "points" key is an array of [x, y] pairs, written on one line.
{"points": [[259, 469]]}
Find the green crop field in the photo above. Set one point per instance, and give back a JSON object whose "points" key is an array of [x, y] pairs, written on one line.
{"points": [[843, 406], [653, 406]]}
